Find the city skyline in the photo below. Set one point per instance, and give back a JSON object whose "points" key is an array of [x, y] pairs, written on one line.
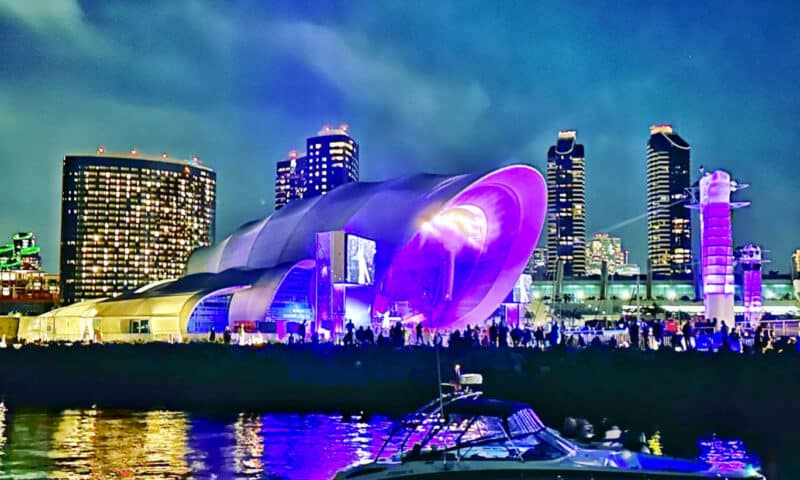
{"points": [[240, 98]]}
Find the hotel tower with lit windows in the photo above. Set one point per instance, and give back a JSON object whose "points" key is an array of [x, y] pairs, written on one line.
{"points": [[331, 160], [566, 205], [669, 232], [129, 219]]}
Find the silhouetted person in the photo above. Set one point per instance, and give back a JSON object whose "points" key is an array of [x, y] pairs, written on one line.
{"points": [[502, 335], [687, 334], [724, 332], [538, 334], [633, 331], [493, 334], [301, 332], [418, 329], [226, 336], [212, 335]]}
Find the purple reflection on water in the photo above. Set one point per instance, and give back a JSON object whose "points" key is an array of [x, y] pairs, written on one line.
{"points": [[728, 455], [282, 446]]}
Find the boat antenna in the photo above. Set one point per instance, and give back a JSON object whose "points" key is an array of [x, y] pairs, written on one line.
{"points": [[441, 396]]}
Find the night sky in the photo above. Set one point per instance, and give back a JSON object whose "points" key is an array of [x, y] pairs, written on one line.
{"points": [[437, 86]]}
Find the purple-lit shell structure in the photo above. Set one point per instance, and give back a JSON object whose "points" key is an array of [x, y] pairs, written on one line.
{"points": [[451, 247], [448, 250]]}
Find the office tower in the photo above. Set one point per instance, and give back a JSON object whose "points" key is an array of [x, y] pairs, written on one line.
{"points": [[566, 205], [130, 219], [669, 242], [289, 179], [603, 247], [331, 160]]}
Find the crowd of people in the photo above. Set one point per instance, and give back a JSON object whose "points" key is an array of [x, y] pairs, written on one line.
{"points": [[647, 335]]}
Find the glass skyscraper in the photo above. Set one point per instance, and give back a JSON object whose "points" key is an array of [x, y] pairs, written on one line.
{"points": [[566, 205], [130, 219], [669, 241], [331, 160]]}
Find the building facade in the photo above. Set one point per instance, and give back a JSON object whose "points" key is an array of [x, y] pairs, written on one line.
{"points": [[331, 160], [669, 232], [289, 179], [21, 254], [566, 205], [537, 265], [129, 219], [603, 247]]}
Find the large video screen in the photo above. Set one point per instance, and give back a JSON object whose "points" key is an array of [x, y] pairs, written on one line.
{"points": [[360, 260], [522, 289]]}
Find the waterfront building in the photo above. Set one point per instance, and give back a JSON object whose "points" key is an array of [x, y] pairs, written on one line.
{"points": [[796, 264], [441, 250], [537, 265], [566, 205], [129, 219], [28, 292], [604, 248], [669, 243], [674, 296], [628, 270], [331, 160], [21, 254]]}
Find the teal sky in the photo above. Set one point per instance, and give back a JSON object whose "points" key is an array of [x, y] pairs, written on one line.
{"points": [[438, 86]]}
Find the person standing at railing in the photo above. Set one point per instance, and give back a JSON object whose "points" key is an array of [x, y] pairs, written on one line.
{"points": [[633, 331]]}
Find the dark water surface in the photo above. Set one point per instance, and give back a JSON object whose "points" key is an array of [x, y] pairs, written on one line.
{"points": [[165, 444]]}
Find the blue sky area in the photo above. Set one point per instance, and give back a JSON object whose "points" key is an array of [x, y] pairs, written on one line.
{"points": [[438, 86]]}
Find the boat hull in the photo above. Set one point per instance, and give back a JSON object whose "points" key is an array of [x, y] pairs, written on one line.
{"points": [[503, 470]]}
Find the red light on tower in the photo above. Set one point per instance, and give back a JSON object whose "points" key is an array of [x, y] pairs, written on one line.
{"points": [[134, 151], [292, 154], [344, 127], [101, 150], [326, 128], [164, 155]]}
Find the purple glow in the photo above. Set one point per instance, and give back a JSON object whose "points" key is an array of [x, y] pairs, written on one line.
{"points": [[716, 244], [727, 455], [462, 263]]}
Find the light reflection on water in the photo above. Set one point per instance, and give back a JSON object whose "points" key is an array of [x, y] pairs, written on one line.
{"points": [[91, 443], [78, 444]]}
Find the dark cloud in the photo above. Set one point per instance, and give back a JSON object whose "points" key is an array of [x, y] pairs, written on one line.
{"points": [[445, 86]]}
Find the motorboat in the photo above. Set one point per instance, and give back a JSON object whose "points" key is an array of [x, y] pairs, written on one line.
{"points": [[464, 435]]}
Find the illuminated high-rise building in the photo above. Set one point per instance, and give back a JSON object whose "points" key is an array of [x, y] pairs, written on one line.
{"points": [[566, 205], [796, 264], [331, 160], [603, 247], [289, 179], [130, 219], [669, 241]]}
